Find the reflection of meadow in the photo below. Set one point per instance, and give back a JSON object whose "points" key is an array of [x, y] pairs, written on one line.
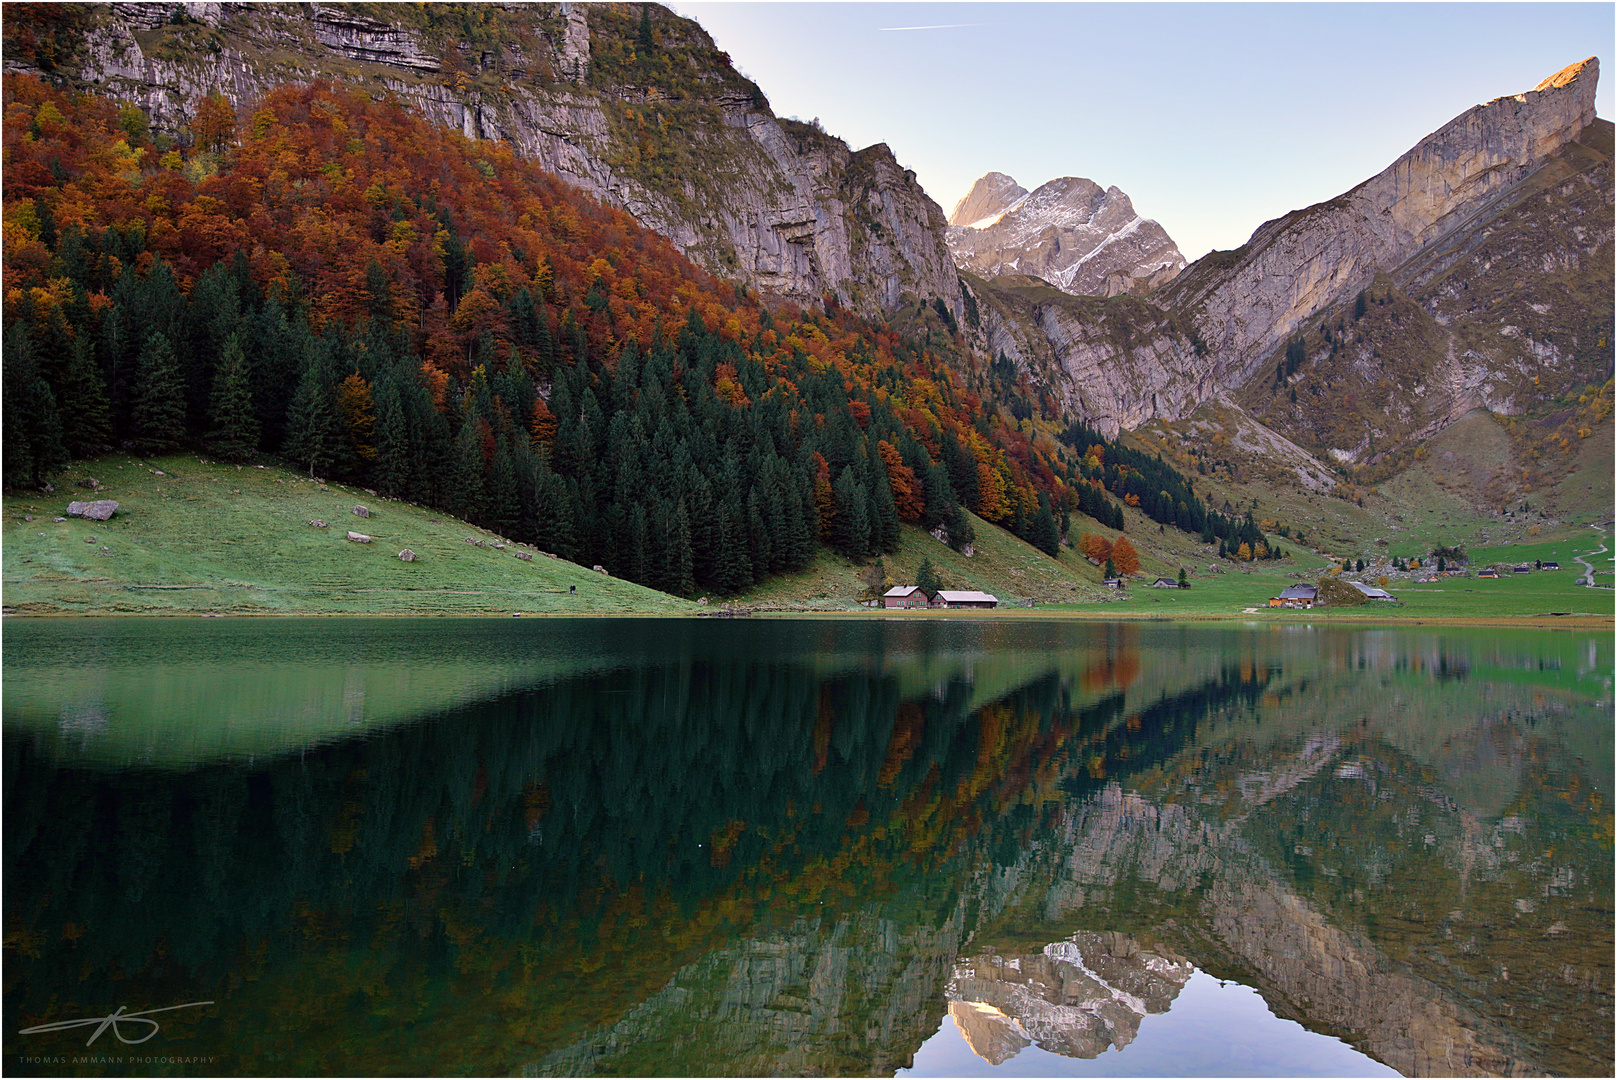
{"points": [[781, 835]]}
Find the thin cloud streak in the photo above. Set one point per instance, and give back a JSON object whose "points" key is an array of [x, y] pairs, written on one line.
{"points": [[940, 26]]}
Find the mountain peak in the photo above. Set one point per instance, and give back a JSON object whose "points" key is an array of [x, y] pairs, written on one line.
{"points": [[1569, 74], [991, 195], [1078, 236]]}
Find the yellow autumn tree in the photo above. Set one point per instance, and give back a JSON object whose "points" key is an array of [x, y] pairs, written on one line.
{"points": [[354, 399], [991, 504]]}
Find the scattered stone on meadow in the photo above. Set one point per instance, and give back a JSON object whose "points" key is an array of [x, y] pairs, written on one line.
{"points": [[369, 492], [499, 547], [100, 510], [30, 517], [407, 555], [359, 538], [524, 556], [59, 520], [317, 523], [360, 511], [599, 569]]}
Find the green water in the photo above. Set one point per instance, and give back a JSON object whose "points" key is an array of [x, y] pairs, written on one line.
{"points": [[811, 847]]}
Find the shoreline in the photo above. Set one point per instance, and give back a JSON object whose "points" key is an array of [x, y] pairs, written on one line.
{"points": [[1538, 621]]}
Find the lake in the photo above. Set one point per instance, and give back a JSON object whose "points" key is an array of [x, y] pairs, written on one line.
{"points": [[755, 847]]}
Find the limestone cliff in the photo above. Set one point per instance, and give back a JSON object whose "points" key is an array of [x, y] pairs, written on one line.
{"points": [[672, 132], [1513, 198], [1079, 237]]}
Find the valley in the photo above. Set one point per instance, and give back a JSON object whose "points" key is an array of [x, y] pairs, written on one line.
{"points": [[1422, 361]]}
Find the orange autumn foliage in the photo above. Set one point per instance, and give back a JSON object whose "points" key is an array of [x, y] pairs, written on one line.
{"points": [[1124, 557], [1091, 546], [906, 490]]}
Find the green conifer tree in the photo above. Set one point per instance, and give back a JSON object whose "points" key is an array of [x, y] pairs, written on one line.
{"points": [[233, 427], [159, 412], [391, 468], [312, 423], [851, 526], [84, 402], [466, 487], [927, 580], [1042, 533], [34, 449]]}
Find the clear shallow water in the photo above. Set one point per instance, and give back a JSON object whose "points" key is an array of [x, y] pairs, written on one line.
{"points": [[688, 848]]}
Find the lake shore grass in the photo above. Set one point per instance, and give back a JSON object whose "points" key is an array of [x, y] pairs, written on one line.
{"points": [[193, 537]]}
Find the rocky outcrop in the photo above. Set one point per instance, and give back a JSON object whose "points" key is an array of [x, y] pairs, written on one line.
{"points": [[1072, 233], [773, 204]]}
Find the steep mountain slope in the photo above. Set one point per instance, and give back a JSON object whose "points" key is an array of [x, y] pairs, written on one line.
{"points": [[1072, 233], [1516, 167], [630, 103]]}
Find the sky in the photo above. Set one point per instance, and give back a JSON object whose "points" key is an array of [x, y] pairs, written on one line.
{"points": [[1212, 117]]}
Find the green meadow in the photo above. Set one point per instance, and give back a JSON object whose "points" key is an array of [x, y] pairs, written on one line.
{"points": [[210, 538]]}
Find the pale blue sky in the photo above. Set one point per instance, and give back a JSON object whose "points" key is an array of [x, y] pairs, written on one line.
{"points": [[1213, 117]]}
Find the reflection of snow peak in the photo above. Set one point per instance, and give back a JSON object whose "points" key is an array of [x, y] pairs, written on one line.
{"points": [[1077, 997]]}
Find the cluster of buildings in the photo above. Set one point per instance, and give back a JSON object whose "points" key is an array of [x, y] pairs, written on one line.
{"points": [[1307, 596], [913, 596]]}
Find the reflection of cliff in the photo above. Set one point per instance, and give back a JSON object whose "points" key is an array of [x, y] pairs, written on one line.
{"points": [[1077, 997], [817, 997]]}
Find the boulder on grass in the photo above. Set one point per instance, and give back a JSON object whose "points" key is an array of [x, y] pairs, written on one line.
{"points": [[524, 556], [360, 511], [359, 538], [407, 555], [317, 523], [100, 510]]}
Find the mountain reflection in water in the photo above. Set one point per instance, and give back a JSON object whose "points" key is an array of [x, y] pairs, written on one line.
{"points": [[592, 847]]}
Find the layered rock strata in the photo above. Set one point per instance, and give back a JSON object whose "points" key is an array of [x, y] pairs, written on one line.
{"points": [[1072, 233]]}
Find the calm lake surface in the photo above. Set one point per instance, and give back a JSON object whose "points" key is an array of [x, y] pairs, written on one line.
{"points": [[757, 847]]}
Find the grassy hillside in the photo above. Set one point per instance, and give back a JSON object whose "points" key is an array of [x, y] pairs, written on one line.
{"points": [[222, 539]]}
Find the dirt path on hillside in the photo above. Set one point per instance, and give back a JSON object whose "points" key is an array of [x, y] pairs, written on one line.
{"points": [[1588, 578]]}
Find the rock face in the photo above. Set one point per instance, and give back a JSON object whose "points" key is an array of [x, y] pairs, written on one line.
{"points": [[678, 138], [1072, 233], [1296, 265], [1533, 169], [100, 510]]}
